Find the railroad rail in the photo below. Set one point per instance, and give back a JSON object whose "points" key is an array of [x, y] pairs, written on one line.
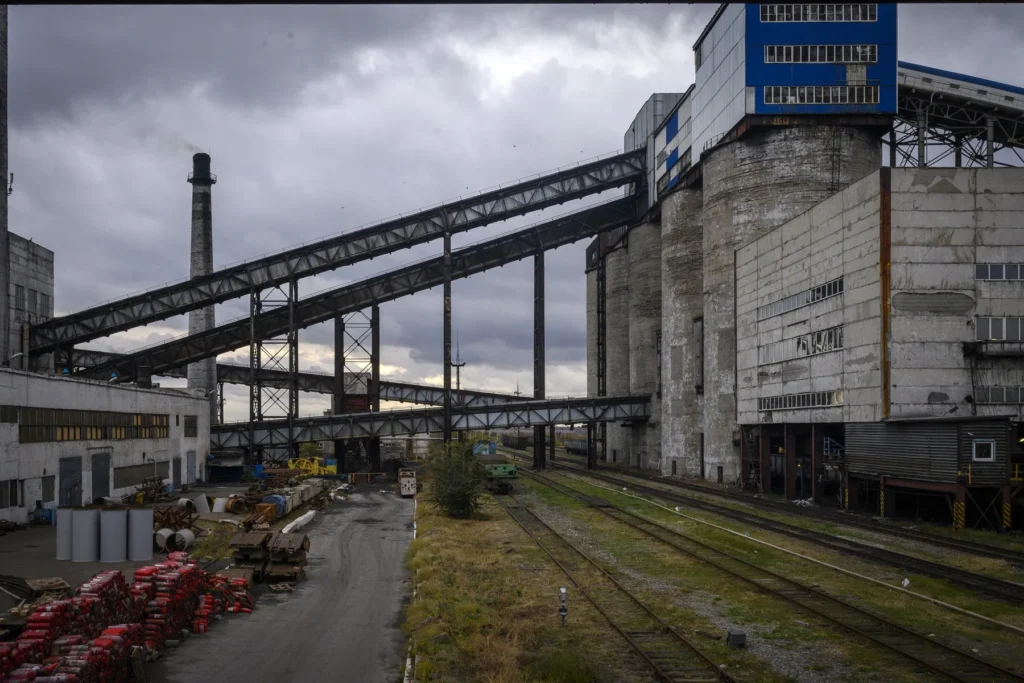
{"points": [[927, 653], [961, 545], [997, 588], [668, 653]]}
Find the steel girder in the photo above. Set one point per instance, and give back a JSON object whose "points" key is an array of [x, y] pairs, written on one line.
{"points": [[320, 383], [425, 420], [488, 207], [388, 286], [937, 122]]}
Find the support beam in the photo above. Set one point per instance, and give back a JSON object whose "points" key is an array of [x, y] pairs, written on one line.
{"points": [[447, 357], [538, 354], [766, 460], [990, 138], [591, 452], [789, 444], [339, 386], [958, 150], [551, 443], [960, 507], [374, 388], [922, 136], [816, 466]]}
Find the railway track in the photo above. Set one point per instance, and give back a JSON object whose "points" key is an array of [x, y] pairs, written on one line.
{"points": [[927, 654], [993, 587], [961, 545], [672, 657]]}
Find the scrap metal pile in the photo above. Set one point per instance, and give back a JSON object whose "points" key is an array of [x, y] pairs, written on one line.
{"points": [[103, 630]]}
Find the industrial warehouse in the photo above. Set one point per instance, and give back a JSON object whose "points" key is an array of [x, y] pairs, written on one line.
{"points": [[798, 457]]}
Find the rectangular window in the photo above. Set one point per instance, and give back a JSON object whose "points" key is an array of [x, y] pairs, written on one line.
{"points": [[844, 94], [9, 493], [49, 484], [805, 13], [19, 298], [997, 329], [31, 306], [191, 426], [44, 305], [39, 425], [801, 299], [813, 399], [810, 344], [983, 450], [999, 271], [698, 354]]}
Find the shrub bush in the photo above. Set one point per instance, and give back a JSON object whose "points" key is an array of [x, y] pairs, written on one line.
{"points": [[457, 479]]}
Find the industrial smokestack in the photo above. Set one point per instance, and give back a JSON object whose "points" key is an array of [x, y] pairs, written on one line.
{"points": [[202, 375]]}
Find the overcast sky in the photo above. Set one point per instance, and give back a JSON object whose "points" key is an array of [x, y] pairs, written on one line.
{"points": [[322, 118]]}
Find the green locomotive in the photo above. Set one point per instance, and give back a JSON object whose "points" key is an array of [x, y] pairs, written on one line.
{"points": [[499, 471]]}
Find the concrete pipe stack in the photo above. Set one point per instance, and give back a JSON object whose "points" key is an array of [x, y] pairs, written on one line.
{"points": [[64, 533], [140, 534], [113, 535], [85, 531]]}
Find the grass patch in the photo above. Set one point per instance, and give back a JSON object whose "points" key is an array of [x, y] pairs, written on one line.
{"points": [[989, 641], [486, 608]]}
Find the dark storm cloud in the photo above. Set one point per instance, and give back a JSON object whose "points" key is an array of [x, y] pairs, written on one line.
{"points": [[257, 56], [323, 118]]}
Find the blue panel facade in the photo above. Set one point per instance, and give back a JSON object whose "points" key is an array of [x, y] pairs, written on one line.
{"points": [[882, 32]]}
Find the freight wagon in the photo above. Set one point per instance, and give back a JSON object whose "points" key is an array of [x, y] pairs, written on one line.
{"points": [[575, 446]]}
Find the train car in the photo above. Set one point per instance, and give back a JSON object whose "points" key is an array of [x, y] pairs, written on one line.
{"points": [[519, 443], [575, 446], [499, 471]]}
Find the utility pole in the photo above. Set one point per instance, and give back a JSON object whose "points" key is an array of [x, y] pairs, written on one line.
{"points": [[458, 364], [517, 393]]}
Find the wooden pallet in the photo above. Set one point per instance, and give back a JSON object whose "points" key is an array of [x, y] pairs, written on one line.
{"points": [[285, 572], [257, 569]]}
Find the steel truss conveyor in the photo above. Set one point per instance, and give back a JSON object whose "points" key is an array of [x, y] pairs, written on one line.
{"points": [[388, 286], [242, 279], [425, 420], [322, 383]]}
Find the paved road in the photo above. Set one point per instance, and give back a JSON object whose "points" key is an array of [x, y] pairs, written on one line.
{"points": [[342, 623]]}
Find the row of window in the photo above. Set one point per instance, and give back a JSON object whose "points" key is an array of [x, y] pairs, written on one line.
{"points": [[999, 271], [999, 395], [998, 329], [809, 344], [820, 54], [37, 303], [39, 425], [812, 399], [808, 94], [801, 299], [777, 13]]}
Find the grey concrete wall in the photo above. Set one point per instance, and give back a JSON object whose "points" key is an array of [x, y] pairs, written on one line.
{"points": [[5, 347], [944, 221], [617, 340], [682, 301], [752, 186], [592, 333], [644, 329], [202, 376], [30, 267], [838, 237], [29, 462]]}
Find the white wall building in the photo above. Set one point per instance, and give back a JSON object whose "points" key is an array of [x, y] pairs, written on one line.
{"points": [[68, 442]]}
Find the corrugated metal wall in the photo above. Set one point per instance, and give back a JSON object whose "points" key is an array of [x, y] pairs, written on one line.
{"points": [[984, 473], [921, 451]]}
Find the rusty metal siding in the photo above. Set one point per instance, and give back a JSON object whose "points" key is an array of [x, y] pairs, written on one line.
{"points": [[984, 473], [923, 452]]}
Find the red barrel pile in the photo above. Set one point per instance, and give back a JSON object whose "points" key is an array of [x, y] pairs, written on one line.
{"points": [[89, 638]]}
